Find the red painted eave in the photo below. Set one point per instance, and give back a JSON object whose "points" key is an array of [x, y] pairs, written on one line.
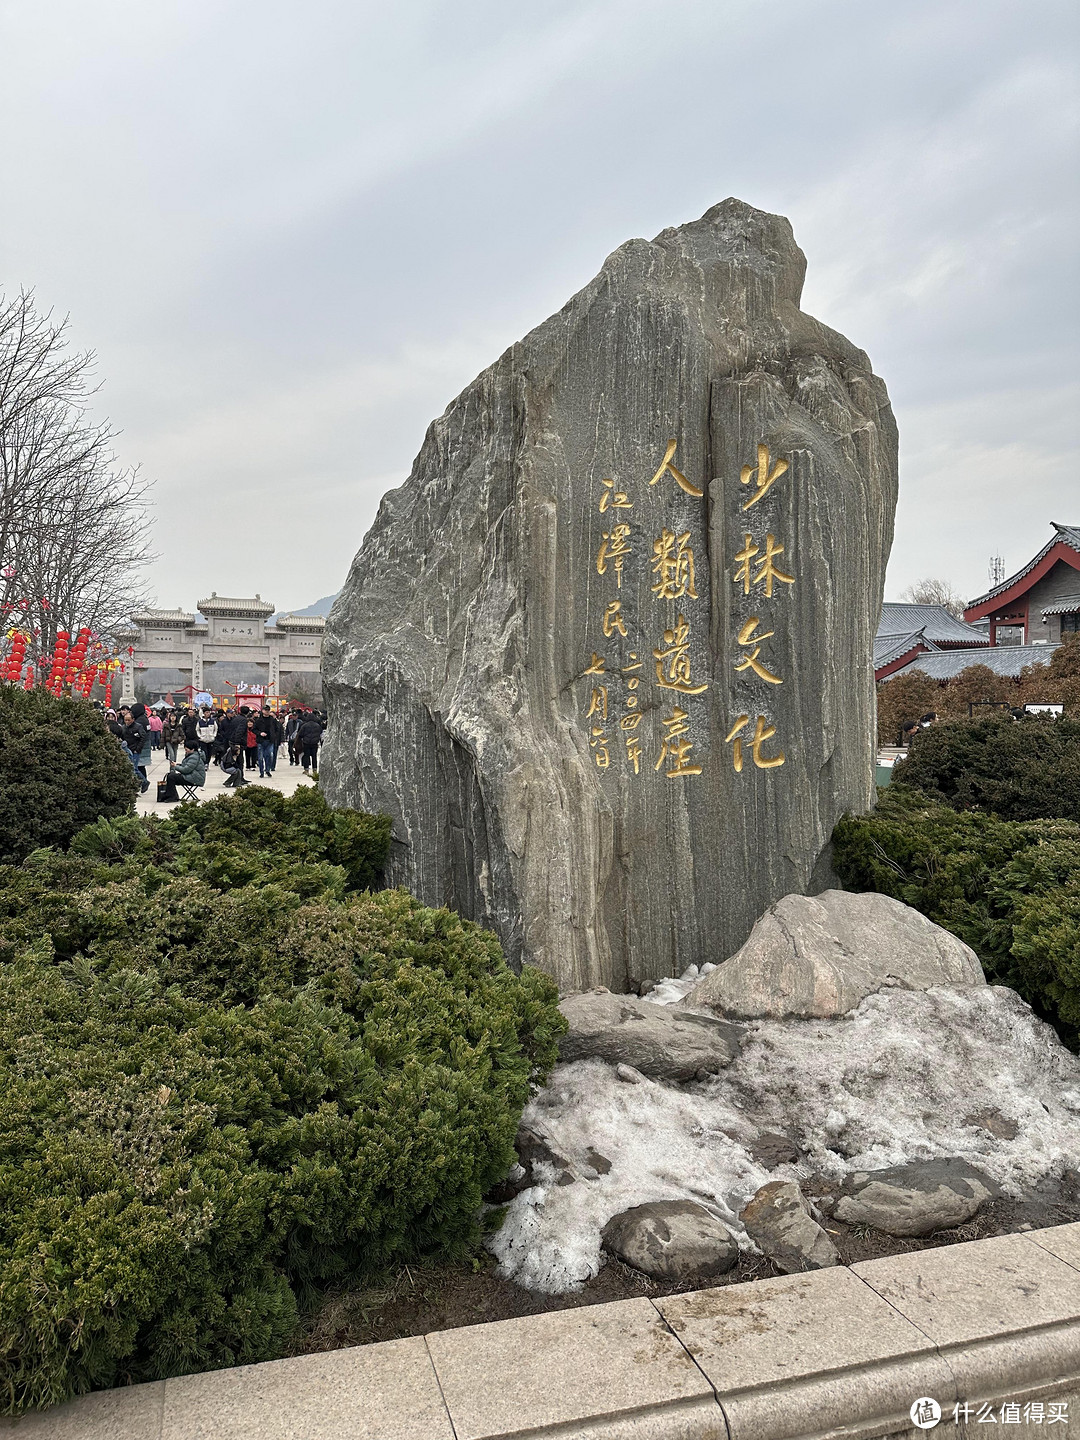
{"points": [[1001, 601], [900, 662]]}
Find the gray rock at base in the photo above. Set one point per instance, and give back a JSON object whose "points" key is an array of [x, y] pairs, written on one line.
{"points": [[915, 1199], [771, 1150], [778, 1220], [671, 1240], [656, 1040], [821, 955], [576, 728]]}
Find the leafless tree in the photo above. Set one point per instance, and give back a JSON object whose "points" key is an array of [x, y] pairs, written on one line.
{"points": [[936, 592], [73, 523]]}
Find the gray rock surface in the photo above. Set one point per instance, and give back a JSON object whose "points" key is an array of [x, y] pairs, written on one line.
{"points": [[671, 1240], [778, 1220], [656, 1040], [819, 956], [771, 1150], [617, 746], [914, 1199]]}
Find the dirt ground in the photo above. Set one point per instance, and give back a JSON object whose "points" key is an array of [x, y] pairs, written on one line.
{"points": [[419, 1299]]}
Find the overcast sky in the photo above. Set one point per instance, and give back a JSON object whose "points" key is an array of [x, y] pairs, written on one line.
{"points": [[293, 232]]}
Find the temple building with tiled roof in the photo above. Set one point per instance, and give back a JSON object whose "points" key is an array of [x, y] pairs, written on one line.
{"points": [[1040, 604], [906, 631]]}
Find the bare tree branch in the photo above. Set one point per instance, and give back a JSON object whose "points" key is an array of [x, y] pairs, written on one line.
{"points": [[73, 523]]}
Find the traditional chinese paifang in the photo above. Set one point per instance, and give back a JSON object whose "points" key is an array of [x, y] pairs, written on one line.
{"points": [[613, 499], [767, 571], [762, 732], [673, 565], [751, 643], [764, 477], [675, 746], [615, 547], [673, 662], [667, 468]]}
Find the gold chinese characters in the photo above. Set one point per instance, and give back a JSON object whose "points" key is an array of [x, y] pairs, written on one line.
{"points": [[673, 662], [667, 468], [765, 478], [756, 572], [673, 564]]}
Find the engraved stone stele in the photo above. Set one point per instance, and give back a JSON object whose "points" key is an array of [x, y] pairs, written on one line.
{"points": [[605, 657]]}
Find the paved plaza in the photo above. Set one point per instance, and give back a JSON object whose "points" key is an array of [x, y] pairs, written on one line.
{"points": [[285, 778]]}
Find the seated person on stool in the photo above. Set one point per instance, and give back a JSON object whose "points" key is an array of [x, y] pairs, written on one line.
{"points": [[191, 770], [232, 762]]}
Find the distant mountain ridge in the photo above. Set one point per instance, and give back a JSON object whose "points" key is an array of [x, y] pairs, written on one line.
{"points": [[320, 607]]}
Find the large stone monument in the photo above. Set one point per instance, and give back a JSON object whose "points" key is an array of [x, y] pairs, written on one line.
{"points": [[605, 657]]}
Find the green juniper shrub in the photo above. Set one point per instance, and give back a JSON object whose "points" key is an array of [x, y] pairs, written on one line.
{"points": [[217, 1098], [60, 769], [1025, 769], [301, 825], [1009, 889], [229, 1079]]}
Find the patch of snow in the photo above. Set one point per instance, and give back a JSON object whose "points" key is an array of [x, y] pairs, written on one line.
{"points": [[672, 990], [891, 1081]]}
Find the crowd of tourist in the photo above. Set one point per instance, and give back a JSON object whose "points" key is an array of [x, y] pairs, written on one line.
{"points": [[238, 740]]}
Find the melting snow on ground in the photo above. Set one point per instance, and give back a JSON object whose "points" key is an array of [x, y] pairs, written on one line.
{"points": [[892, 1081]]}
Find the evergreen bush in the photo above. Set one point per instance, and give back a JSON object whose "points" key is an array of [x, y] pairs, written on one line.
{"points": [[1009, 889], [1025, 769], [60, 769], [228, 1079]]}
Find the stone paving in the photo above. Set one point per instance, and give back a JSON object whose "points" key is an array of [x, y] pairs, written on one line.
{"points": [[285, 778], [985, 1333]]}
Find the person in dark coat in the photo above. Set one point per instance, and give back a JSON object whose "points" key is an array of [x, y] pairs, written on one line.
{"points": [[267, 729], [137, 740], [308, 737], [173, 735], [189, 723], [250, 742], [292, 725], [232, 762]]}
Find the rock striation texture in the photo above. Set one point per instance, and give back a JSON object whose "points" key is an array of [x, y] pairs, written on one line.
{"points": [[819, 956], [605, 656]]}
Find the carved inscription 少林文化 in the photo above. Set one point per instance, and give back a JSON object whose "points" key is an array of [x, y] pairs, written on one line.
{"points": [[755, 572]]}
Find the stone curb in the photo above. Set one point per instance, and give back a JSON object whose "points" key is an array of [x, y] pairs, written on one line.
{"points": [[818, 1356]]}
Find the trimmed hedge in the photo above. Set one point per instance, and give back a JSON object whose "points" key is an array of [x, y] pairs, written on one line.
{"points": [[60, 769], [1009, 889], [228, 1080], [1019, 769]]}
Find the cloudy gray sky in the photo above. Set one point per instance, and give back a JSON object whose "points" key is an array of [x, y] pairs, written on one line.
{"points": [[293, 232]]}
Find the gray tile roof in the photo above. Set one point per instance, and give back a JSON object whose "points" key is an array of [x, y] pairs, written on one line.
{"points": [[245, 605], [314, 623], [934, 621], [888, 648], [164, 617], [1063, 605], [1005, 660], [1071, 536]]}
